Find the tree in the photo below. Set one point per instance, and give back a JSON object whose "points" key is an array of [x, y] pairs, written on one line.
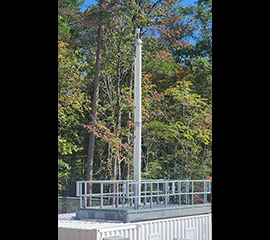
{"points": [[72, 105], [202, 15], [191, 129], [181, 128], [97, 45], [90, 157]]}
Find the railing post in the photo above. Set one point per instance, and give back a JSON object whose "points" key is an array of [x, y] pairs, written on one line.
{"points": [[77, 189], [173, 190], [151, 193], [187, 191], [117, 195], [166, 194], [123, 195], [127, 192], [101, 196], [145, 188], [85, 193], [192, 190], [80, 193], [179, 192], [204, 195], [209, 190], [157, 192]]}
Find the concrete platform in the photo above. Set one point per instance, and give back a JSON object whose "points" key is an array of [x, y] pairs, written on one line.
{"points": [[143, 213]]}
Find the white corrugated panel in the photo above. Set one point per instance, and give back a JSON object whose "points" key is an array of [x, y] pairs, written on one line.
{"points": [[127, 230], [196, 227]]}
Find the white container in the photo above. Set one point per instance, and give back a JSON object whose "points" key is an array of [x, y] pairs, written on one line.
{"points": [[196, 227], [124, 230]]}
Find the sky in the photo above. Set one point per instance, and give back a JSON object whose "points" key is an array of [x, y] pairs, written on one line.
{"points": [[89, 2]]}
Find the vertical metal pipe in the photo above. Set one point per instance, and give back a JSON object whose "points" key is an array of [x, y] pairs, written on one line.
{"points": [[137, 120], [209, 190], [145, 189], [166, 194], [80, 191], [117, 195], [157, 192], [187, 195], [192, 190], [85, 195], [173, 191], [151, 193], [204, 195], [179, 191], [101, 196]]}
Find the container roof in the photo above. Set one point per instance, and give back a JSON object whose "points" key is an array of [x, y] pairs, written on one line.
{"points": [[69, 220]]}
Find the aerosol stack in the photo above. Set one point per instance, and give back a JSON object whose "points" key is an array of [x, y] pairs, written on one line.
{"points": [[137, 118]]}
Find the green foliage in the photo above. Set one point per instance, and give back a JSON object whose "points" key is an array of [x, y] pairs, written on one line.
{"points": [[202, 13], [63, 172], [176, 90]]}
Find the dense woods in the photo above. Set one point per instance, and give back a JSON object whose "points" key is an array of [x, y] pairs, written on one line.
{"points": [[95, 90]]}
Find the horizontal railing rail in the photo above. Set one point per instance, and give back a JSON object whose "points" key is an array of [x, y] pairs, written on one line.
{"points": [[153, 193]]}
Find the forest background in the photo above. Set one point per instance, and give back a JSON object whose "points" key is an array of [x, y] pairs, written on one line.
{"points": [[95, 90]]}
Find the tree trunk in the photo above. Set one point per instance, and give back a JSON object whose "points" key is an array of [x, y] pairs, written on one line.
{"points": [[117, 127], [90, 157], [125, 173]]}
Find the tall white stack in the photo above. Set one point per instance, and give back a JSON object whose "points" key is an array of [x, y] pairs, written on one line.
{"points": [[137, 117]]}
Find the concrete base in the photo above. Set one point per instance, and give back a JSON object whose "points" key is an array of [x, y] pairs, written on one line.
{"points": [[143, 213]]}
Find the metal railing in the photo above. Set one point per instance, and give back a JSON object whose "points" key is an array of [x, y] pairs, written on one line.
{"points": [[153, 193]]}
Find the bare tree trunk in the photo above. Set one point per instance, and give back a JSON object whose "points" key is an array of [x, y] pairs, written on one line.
{"points": [[90, 157]]}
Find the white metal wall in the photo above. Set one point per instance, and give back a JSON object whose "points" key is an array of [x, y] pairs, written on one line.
{"points": [[130, 231], [196, 227]]}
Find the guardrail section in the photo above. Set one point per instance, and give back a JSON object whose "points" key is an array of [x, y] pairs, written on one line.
{"points": [[153, 193]]}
